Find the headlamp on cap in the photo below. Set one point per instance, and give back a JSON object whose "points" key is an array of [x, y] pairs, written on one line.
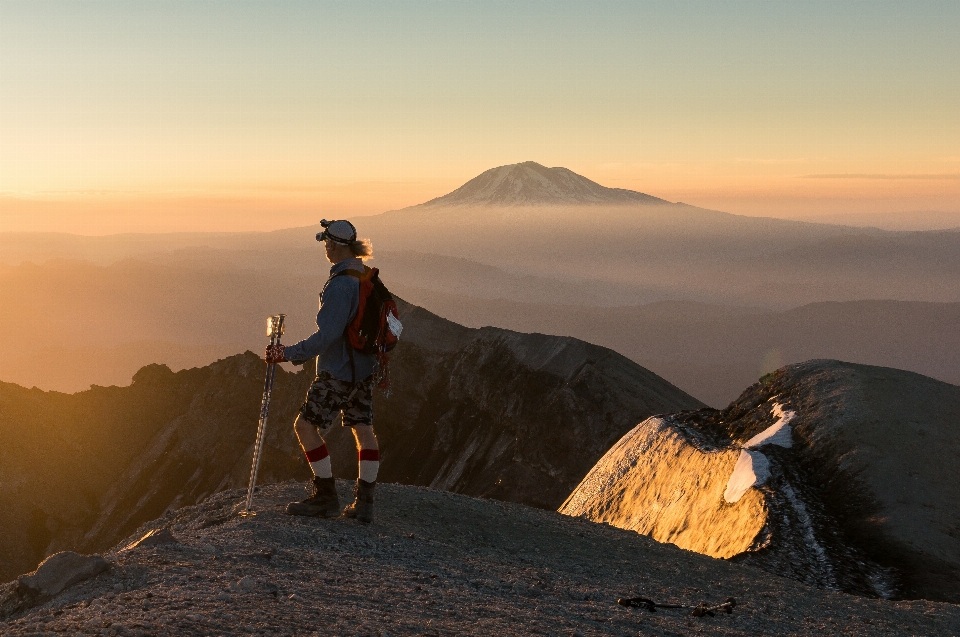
{"points": [[339, 231]]}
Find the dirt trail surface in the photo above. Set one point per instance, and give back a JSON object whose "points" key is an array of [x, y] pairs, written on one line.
{"points": [[436, 563]]}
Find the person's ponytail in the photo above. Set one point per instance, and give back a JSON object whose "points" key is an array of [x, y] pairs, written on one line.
{"points": [[362, 248]]}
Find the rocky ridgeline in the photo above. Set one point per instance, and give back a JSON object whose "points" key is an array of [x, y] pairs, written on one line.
{"points": [[518, 417], [432, 563], [839, 475]]}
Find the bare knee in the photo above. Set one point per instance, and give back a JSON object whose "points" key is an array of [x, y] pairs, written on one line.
{"points": [[366, 439], [301, 426], [306, 430]]}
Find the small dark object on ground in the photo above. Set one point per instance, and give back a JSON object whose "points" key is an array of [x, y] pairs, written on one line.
{"points": [[699, 610]]}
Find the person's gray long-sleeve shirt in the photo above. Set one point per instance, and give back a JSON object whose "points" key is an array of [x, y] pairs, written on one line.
{"points": [[338, 306]]}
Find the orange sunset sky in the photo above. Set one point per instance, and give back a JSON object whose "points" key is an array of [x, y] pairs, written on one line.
{"points": [[173, 116]]}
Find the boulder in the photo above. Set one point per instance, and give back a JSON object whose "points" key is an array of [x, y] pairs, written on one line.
{"points": [[61, 571], [54, 575]]}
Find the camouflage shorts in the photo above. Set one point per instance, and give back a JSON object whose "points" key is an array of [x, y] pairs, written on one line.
{"points": [[328, 397]]}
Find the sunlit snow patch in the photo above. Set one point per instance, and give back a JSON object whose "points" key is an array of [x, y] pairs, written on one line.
{"points": [[779, 433], [753, 468]]}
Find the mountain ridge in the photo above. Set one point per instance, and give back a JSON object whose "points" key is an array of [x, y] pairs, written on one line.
{"points": [[840, 475], [485, 412]]}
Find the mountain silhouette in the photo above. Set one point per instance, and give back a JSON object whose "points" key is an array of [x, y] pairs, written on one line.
{"points": [[530, 184]]}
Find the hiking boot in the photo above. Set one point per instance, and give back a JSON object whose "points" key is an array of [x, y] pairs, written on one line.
{"points": [[362, 507], [323, 503]]}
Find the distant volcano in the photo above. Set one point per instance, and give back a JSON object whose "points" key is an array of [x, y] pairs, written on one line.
{"points": [[530, 184]]}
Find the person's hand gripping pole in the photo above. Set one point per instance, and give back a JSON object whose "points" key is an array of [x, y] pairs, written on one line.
{"points": [[273, 355]]}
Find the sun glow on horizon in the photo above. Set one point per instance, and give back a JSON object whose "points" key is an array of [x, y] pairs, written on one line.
{"points": [[134, 116]]}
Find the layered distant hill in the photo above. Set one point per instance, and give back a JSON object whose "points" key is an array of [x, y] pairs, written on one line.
{"points": [[99, 324], [713, 351], [708, 299], [624, 247], [912, 220], [519, 417]]}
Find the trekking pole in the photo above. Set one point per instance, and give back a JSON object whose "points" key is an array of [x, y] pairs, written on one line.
{"points": [[274, 331]]}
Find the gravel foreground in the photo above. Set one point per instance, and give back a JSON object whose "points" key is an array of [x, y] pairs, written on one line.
{"points": [[436, 563]]}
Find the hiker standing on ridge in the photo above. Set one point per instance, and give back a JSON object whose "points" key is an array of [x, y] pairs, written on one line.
{"points": [[344, 382]]}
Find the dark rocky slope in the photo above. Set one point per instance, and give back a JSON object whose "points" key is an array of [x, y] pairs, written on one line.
{"points": [[856, 490], [714, 351], [488, 412]]}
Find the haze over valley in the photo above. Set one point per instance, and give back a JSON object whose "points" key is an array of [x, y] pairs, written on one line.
{"points": [[709, 300]]}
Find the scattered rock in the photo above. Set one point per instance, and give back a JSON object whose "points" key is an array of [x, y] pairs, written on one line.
{"points": [[62, 570], [155, 537], [55, 574]]}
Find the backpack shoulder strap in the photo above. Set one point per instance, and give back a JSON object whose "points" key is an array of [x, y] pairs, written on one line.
{"points": [[357, 274]]}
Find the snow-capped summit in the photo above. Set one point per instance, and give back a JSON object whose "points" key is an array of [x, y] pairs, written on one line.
{"points": [[530, 184]]}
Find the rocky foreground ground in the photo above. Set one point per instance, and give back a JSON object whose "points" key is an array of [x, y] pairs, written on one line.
{"points": [[434, 563]]}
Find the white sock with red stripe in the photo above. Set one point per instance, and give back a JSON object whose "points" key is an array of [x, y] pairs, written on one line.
{"points": [[369, 464], [319, 460]]}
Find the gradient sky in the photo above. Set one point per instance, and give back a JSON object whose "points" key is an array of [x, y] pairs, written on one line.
{"points": [[134, 116]]}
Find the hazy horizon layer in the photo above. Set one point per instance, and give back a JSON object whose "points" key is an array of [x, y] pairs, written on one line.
{"points": [[122, 116], [98, 308], [707, 300], [231, 216]]}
